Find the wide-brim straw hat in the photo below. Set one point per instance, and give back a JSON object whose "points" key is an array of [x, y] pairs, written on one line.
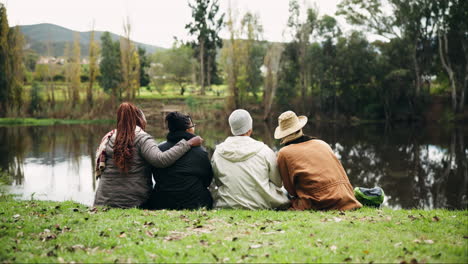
{"points": [[289, 123]]}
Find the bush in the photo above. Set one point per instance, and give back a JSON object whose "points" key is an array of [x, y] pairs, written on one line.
{"points": [[84, 78], [36, 99], [59, 78]]}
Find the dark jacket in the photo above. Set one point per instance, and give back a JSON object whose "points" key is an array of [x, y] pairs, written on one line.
{"points": [[132, 189], [184, 184]]}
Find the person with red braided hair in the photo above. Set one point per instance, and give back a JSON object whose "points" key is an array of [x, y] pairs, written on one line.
{"points": [[125, 157]]}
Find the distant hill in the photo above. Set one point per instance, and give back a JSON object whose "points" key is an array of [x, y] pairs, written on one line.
{"points": [[37, 36]]}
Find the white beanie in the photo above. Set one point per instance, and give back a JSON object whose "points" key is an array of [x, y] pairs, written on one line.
{"points": [[240, 122]]}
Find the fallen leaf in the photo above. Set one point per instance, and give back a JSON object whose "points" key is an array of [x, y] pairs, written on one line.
{"points": [[77, 247], [412, 217], [337, 219], [333, 248], [226, 259], [122, 234], [16, 216], [149, 233], [255, 246], [428, 241], [398, 244], [435, 218], [366, 251]]}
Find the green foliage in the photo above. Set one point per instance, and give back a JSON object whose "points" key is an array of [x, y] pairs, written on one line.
{"points": [[110, 65], [5, 73], [38, 231], [30, 60], [11, 65], [36, 99], [144, 65], [172, 66], [205, 27]]}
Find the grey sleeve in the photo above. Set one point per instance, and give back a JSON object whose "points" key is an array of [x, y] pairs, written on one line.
{"points": [[153, 155]]}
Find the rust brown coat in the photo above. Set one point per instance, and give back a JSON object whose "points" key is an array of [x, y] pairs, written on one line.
{"points": [[313, 174]]}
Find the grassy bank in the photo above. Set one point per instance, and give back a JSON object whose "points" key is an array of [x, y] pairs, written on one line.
{"points": [[37, 231], [50, 121]]}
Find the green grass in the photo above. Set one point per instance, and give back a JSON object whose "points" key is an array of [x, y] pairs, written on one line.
{"points": [[50, 121], [38, 231]]}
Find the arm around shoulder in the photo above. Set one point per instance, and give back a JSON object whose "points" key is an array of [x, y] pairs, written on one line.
{"points": [[153, 155]]}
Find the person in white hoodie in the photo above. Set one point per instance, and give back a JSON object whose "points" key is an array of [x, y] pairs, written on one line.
{"points": [[245, 170]]}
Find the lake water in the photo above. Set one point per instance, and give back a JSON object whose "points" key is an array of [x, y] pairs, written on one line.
{"points": [[417, 166]]}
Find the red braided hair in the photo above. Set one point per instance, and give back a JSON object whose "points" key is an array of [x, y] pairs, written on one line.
{"points": [[128, 117]]}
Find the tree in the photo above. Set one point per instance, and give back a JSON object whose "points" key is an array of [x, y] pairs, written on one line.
{"points": [[231, 61], [16, 44], [144, 64], [129, 62], [453, 40], [205, 28], [110, 65], [5, 91], [93, 67], [173, 66], [75, 70], [11, 65], [411, 20], [301, 32], [272, 64], [253, 51]]}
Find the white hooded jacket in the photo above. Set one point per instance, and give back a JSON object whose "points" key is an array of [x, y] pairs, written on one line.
{"points": [[246, 174]]}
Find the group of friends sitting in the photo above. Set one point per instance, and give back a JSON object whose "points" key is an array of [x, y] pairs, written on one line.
{"points": [[243, 173]]}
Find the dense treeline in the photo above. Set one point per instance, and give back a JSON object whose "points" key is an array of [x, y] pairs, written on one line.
{"points": [[421, 51]]}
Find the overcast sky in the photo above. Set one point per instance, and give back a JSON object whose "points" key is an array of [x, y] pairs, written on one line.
{"points": [[153, 22]]}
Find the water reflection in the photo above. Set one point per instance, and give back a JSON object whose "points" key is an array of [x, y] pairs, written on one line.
{"points": [[418, 167]]}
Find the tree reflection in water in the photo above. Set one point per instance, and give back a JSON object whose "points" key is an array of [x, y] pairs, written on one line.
{"points": [[418, 167]]}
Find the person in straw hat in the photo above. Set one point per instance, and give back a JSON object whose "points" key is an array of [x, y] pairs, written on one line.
{"points": [[245, 170], [310, 171]]}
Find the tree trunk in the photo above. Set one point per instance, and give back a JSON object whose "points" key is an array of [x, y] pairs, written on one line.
{"points": [[208, 72], [443, 54], [461, 106], [202, 67], [417, 72], [89, 95]]}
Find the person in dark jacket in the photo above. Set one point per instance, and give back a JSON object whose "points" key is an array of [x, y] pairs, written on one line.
{"points": [[125, 158], [184, 184]]}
